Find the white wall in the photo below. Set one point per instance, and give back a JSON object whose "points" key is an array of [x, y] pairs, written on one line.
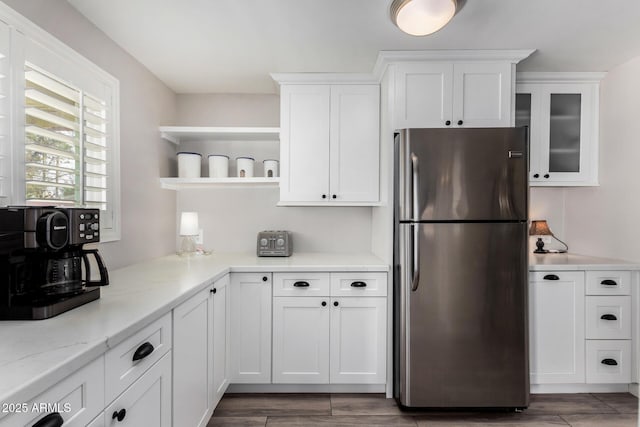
{"points": [[231, 217], [145, 103], [603, 221]]}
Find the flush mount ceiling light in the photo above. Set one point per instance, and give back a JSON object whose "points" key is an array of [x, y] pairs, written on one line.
{"points": [[422, 17]]}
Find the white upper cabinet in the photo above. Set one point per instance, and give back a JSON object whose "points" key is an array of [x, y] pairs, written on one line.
{"points": [[329, 143], [453, 94], [561, 110]]}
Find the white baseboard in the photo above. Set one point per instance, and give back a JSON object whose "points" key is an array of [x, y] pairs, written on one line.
{"points": [[306, 388], [634, 389], [580, 388]]}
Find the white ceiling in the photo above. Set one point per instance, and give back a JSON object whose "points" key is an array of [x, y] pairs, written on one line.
{"points": [[231, 46]]}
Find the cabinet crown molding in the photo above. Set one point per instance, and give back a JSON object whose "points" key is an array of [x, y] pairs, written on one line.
{"points": [[386, 57], [559, 77]]}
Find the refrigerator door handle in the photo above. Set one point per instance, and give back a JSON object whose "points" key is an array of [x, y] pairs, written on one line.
{"points": [[415, 256], [415, 189]]}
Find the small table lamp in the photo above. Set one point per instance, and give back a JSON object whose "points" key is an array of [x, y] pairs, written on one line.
{"points": [[541, 228], [188, 231]]}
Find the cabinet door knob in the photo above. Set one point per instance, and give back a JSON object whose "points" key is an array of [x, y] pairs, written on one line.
{"points": [[609, 362], [324, 303], [301, 284], [358, 284], [448, 123], [264, 278], [53, 419], [213, 291], [143, 351], [460, 122], [608, 317], [324, 196], [119, 415], [335, 303], [333, 196], [609, 282], [536, 175], [546, 175], [551, 277]]}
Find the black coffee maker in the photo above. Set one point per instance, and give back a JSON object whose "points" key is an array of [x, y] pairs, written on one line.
{"points": [[44, 268]]}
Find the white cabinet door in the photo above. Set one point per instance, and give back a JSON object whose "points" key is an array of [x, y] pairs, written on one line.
{"points": [[482, 94], [304, 143], [301, 340], [423, 95], [192, 361], [557, 327], [358, 340], [147, 402], [563, 120], [250, 295], [221, 335], [355, 147]]}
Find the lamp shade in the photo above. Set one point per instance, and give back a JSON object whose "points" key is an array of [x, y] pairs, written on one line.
{"points": [[540, 228], [189, 224], [422, 17]]}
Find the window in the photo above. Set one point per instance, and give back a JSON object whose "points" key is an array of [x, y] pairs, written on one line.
{"points": [[59, 142]]}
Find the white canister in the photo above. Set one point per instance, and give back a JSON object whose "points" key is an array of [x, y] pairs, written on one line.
{"points": [[270, 168], [189, 165], [218, 166], [245, 166]]}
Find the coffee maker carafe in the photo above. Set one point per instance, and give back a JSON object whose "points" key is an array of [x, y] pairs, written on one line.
{"points": [[44, 267]]}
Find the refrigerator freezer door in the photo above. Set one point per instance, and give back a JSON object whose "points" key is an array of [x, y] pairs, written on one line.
{"points": [[462, 174], [462, 334]]}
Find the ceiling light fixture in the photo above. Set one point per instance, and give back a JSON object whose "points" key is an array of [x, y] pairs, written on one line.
{"points": [[422, 17]]}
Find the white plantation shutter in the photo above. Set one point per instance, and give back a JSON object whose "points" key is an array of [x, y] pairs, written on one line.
{"points": [[96, 175], [53, 130]]}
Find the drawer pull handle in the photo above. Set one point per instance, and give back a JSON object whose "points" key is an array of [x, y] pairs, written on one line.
{"points": [[301, 284], [609, 362], [54, 419], [143, 351], [358, 284], [119, 415], [608, 317], [551, 277], [609, 282]]}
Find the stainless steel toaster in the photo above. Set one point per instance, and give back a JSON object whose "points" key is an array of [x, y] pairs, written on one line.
{"points": [[274, 243]]}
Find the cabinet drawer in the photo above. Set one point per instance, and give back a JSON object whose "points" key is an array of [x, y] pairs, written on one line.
{"points": [[300, 284], [608, 317], [608, 282], [608, 361], [78, 399], [359, 284], [557, 276], [121, 370]]}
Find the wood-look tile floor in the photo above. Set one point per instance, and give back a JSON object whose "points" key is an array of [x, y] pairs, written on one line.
{"points": [[346, 410]]}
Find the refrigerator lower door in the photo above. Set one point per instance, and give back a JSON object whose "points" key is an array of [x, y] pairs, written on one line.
{"points": [[463, 338]]}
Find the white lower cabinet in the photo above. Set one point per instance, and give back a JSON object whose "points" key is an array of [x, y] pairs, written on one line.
{"points": [[200, 354], [580, 327], [250, 295], [76, 400], [147, 402], [329, 339], [301, 340], [98, 421], [358, 340], [556, 327]]}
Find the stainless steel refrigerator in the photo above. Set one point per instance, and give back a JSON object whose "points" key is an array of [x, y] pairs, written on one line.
{"points": [[460, 268]]}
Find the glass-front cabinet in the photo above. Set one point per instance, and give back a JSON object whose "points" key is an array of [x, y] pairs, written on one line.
{"points": [[561, 111]]}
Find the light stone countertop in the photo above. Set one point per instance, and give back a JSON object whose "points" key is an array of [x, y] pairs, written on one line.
{"points": [[569, 261], [35, 355]]}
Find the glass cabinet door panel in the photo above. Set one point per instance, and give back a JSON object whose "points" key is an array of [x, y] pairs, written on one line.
{"points": [[523, 115], [564, 132]]}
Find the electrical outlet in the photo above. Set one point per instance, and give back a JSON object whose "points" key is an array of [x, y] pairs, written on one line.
{"points": [[200, 237]]}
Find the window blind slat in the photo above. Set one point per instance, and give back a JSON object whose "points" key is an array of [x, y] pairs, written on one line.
{"points": [[35, 130], [50, 167], [49, 150], [51, 118], [48, 83], [50, 101]]}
